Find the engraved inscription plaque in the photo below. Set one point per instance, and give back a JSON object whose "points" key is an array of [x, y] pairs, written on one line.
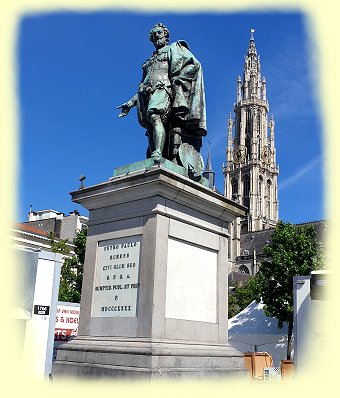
{"points": [[116, 278]]}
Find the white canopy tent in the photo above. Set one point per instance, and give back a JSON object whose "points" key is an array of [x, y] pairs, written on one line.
{"points": [[251, 330]]}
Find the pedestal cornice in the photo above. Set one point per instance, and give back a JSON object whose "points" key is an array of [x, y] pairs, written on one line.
{"points": [[159, 181]]}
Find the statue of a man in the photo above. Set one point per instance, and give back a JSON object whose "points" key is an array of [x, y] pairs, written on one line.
{"points": [[170, 99]]}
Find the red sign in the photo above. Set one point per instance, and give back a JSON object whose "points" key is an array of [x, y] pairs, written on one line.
{"points": [[66, 326]]}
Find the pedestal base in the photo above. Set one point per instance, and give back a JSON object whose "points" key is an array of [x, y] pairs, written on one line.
{"points": [[154, 296], [146, 359]]}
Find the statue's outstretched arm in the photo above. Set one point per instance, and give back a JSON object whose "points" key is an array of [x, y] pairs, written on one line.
{"points": [[127, 106]]}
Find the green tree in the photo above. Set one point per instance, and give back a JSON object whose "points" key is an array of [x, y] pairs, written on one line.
{"points": [[72, 269], [242, 296], [59, 246], [294, 251]]}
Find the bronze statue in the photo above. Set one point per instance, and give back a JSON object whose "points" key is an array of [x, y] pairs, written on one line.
{"points": [[170, 100]]}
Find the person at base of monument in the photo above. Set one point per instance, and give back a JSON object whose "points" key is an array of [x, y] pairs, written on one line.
{"points": [[170, 99]]}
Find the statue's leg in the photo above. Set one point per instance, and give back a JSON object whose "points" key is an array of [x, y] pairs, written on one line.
{"points": [[157, 113], [158, 135], [151, 145]]}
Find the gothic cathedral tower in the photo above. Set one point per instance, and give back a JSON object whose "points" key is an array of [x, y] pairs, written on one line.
{"points": [[250, 174]]}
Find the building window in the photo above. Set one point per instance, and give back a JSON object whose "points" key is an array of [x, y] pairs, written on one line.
{"points": [[258, 133], [260, 193], [269, 198], [243, 269], [234, 188], [246, 190], [248, 133], [244, 228]]}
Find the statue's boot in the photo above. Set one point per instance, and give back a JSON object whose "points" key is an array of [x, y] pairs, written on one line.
{"points": [[156, 156]]}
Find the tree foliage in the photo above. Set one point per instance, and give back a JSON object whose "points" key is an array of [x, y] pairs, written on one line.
{"points": [[294, 251], [72, 269], [58, 246], [242, 296]]}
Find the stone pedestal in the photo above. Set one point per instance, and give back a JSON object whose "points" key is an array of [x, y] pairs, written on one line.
{"points": [[154, 298]]}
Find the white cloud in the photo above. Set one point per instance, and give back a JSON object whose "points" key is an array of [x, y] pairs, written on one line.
{"points": [[304, 169]]}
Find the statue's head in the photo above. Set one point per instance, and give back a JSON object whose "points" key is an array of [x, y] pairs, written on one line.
{"points": [[159, 35]]}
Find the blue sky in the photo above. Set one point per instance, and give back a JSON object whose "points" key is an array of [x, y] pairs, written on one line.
{"points": [[75, 68]]}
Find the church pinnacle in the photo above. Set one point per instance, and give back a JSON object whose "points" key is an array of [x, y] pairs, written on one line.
{"points": [[252, 48], [252, 84], [209, 172]]}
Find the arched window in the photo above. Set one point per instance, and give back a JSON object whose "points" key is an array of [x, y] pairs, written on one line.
{"points": [[248, 132], [259, 143], [260, 193], [269, 198], [246, 190], [244, 228], [258, 133], [234, 188], [243, 269]]}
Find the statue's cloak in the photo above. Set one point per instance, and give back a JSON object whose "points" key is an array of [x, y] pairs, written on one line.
{"points": [[186, 91]]}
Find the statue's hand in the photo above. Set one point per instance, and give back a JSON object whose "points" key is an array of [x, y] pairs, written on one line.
{"points": [[125, 109]]}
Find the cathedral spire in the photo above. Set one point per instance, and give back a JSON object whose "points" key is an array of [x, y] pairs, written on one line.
{"points": [[208, 172], [252, 84], [252, 34], [252, 48], [251, 171]]}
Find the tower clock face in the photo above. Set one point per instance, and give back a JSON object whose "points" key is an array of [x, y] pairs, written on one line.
{"points": [[265, 155], [239, 154]]}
